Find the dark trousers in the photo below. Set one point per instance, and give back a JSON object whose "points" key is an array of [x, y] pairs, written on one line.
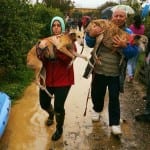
{"points": [[60, 94], [98, 91]]}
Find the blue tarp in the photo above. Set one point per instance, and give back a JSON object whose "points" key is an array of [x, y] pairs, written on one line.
{"points": [[5, 106]]}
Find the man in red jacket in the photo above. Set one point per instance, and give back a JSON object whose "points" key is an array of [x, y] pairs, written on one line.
{"points": [[59, 78]]}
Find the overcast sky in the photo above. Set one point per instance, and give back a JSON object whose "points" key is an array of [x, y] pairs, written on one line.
{"points": [[91, 3]]}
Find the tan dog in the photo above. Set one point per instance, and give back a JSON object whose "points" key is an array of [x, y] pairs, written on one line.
{"points": [[44, 49], [109, 30]]}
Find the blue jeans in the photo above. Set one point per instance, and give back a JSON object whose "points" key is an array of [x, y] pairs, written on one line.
{"points": [[131, 65], [98, 91]]}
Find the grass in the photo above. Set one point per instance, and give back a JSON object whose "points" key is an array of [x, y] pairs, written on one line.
{"points": [[14, 87]]}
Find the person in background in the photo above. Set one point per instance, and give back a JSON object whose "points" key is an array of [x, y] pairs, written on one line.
{"points": [[107, 74], [59, 79], [85, 21], [138, 28], [79, 24], [145, 117]]}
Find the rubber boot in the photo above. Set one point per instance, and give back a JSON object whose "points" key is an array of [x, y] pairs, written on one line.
{"points": [[50, 119], [59, 127]]}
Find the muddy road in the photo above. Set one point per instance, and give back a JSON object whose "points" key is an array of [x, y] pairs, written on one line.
{"points": [[26, 128]]}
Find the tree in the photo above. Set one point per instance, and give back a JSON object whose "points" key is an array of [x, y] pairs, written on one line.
{"points": [[63, 5], [21, 26]]}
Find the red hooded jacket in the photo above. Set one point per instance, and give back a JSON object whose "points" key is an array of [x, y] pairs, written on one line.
{"points": [[58, 72]]}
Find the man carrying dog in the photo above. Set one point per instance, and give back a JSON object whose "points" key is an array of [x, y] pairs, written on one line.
{"points": [[107, 73]]}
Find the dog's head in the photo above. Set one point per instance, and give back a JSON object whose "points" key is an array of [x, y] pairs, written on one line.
{"points": [[141, 41], [80, 38], [45, 49], [96, 27]]}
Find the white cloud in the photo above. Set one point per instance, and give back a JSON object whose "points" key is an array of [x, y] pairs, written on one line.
{"points": [[91, 3]]}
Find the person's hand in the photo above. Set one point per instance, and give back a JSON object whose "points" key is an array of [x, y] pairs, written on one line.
{"points": [[119, 42]]}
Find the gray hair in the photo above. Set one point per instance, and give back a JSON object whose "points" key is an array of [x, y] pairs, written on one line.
{"points": [[122, 10]]}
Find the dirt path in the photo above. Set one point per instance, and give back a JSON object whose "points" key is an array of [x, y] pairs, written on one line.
{"points": [[26, 128]]}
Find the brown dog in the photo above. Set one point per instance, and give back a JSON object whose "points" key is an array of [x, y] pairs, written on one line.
{"points": [[110, 30], [44, 48]]}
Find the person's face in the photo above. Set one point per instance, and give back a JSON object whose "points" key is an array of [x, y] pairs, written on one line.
{"points": [[56, 28], [119, 18]]}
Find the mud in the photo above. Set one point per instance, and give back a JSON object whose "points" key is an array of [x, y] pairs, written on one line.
{"points": [[26, 128]]}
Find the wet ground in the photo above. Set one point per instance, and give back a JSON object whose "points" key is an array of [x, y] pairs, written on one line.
{"points": [[26, 128]]}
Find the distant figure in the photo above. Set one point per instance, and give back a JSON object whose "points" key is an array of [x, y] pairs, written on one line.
{"points": [[67, 18], [137, 28], [79, 24], [85, 21]]}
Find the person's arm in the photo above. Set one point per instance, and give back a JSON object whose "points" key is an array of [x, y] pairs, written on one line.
{"points": [[130, 51], [90, 41]]}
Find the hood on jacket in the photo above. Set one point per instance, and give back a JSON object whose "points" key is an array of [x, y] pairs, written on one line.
{"points": [[62, 23]]}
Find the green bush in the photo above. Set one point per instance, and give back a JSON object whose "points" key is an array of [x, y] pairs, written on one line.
{"points": [[22, 24]]}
